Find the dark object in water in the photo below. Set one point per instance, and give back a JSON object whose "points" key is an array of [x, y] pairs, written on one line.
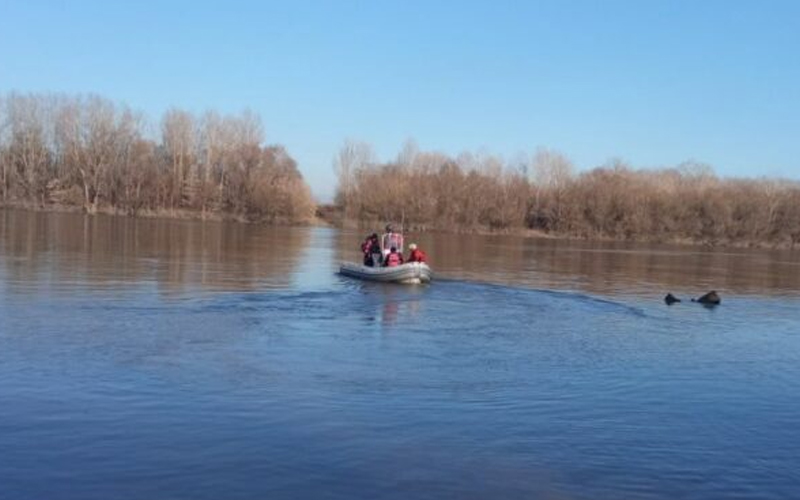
{"points": [[671, 299], [709, 299]]}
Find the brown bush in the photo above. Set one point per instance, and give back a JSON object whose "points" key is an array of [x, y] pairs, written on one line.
{"points": [[686, 203], [92, 153]]}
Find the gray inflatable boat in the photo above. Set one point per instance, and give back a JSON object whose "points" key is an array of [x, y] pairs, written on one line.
{"points": [[412, 273]]}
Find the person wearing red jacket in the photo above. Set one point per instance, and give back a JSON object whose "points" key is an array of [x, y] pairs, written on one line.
{"points": [[372, 251], [416, 254], [393, 259]]}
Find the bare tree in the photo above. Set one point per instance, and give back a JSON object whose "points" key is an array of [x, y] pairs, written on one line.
{"points": [[551, 173], [29, 154], [551, 169], [178, 138], [408, 153], [353, 157], [91, 152], [5, 126], [211, 145]]}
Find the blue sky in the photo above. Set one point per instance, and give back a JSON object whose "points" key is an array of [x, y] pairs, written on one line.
{"points": [[654, 83]]}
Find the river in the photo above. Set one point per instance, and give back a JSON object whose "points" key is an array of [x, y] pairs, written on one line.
{"points": [[169, 359]]}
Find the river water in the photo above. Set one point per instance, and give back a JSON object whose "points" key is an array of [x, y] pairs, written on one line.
{"points": [[157, 359]]}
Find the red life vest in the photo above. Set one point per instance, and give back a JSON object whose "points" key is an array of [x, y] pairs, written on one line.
{"points": [[393, 259], [417, 256]]}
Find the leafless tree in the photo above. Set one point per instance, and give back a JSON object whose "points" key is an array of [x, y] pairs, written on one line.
{"points": [[91, 152], [5, 161], [178, 138], [28, 153], [354, 157], [614, 200]]}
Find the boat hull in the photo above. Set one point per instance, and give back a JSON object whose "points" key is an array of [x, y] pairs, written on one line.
{"points": [[412, 273]]}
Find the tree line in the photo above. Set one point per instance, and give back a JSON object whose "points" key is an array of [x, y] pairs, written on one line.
{"points": [[543, 192], [92, 153]]}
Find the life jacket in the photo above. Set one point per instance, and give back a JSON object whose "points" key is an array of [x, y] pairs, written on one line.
{"points": [[366, 246], [393, 259], [417, 256]]}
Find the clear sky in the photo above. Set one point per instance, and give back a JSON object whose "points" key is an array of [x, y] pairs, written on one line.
{"points": [[652, 82]]}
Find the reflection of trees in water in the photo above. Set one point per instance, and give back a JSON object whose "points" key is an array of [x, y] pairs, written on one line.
{"points": [[599, 267], [175, 254], [604, 267], [346, 244]]}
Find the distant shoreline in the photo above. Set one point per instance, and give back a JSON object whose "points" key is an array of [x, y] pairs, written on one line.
{"points": [[332, 216], [166, 214], [328, 216]]}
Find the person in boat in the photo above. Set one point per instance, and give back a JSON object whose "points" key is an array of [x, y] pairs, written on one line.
{"points": [[375, 250], [372, 250], [416, 254], [365, 246], [391, 239], [394, 258]]}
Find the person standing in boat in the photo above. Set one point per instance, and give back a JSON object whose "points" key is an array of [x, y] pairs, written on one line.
{"points": [[391, 239], [372, 251], [365, 250], [375, 250]]}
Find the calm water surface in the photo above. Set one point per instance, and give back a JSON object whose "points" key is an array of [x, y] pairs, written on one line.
{"points": [[178, 359]]}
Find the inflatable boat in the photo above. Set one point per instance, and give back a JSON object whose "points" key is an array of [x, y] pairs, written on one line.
{"points": [[412, 273]]}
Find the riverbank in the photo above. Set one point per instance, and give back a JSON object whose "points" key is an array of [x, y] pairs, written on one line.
{"points": [[329, 216], [178, 214], [333, 216]]}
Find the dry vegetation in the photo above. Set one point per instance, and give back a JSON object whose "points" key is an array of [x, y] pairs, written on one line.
{"points": [[91, 153], [543, 193]]}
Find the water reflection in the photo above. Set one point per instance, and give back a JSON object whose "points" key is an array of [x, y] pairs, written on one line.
{"points": [[386, 304], [64, 251], [602, 267], [73, 250], [399, 304]]}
